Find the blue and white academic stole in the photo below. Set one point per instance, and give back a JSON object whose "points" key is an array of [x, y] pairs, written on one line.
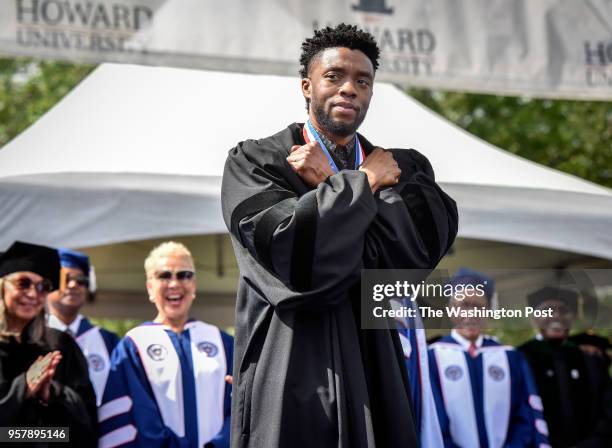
{"points": [[163, 369], [497, 396], [98, 359], [456, 387], [311, 135], [413, 333]]}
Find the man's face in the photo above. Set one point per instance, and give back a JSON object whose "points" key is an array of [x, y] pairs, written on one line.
{"points": [[73, 297], [339, 87], [558, 326], [469, 327]]}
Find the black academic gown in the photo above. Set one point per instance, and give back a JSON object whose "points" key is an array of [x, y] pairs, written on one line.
{"points": [[306, 375], [72, 403], [573, 387]]}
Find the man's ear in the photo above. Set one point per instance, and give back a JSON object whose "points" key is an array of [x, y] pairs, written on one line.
{"points": [[306, 88]]}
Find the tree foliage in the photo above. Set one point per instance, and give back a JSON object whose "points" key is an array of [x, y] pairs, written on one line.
{"points": [[571, 136], [29, 88]]}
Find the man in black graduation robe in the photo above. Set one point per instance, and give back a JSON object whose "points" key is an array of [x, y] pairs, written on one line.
{"points": [[573, 384], [306, 374]]}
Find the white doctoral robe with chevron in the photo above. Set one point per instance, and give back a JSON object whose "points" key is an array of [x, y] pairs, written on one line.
{"points": [[489, 400], [96, 343], [167, 389]]}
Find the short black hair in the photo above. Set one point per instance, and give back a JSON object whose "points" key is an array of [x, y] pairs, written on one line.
{"points": [[343, 35]]}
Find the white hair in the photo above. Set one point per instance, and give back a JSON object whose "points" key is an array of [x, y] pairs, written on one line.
{"points": [[165, 250]]}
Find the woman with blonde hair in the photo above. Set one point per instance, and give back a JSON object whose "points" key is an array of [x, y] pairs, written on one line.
{"points": [[43, 375], [166, 386]]}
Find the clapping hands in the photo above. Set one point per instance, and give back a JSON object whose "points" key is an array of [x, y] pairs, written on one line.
{"points": [[40, 374]]}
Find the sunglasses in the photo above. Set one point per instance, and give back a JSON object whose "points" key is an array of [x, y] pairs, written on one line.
{"points": [[25, 284], [80, 280], [181, 276]]}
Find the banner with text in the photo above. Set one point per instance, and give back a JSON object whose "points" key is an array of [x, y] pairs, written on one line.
{"points": [[545, 48]]}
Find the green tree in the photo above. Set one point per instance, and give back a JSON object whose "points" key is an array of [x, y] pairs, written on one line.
{"points": [[571, 136], [29, 88]]}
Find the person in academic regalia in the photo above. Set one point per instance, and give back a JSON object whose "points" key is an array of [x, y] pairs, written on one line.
{"points": [[308, 208], [573, 384], [43, 374], [597, 359], [484, 390], [64, 305], [167, 386], [414, 345]]}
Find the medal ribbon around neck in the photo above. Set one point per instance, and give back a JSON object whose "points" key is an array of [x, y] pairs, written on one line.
{"points": [[311, 134]]}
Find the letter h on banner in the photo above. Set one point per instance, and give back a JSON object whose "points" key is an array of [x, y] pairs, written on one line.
{"points": [[602, 52]]}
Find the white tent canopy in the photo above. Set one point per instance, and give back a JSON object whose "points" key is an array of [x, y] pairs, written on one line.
{"points": [[137, 152]]}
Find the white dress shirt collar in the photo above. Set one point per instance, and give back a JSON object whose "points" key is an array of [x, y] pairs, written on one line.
{"points": [[55, 322], [465, 343]]}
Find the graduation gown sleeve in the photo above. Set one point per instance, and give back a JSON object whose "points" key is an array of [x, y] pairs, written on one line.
{"points": [[222, 439], [12, 398], [527, 427], [416, 222]]}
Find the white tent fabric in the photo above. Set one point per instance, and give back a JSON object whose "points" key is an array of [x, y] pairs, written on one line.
{"points": [[137, 152]]}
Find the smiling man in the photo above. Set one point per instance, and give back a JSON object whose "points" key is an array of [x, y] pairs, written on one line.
{"points": [[569, 380], [65, 305], [308, 209], [484, 391]]}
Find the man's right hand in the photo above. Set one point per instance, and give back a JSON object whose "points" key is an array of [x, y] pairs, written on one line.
{"points": [[381, 168], [310, 163]]}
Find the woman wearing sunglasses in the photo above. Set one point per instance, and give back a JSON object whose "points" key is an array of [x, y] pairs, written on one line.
{"points": [[166, 386], [43, 375]]}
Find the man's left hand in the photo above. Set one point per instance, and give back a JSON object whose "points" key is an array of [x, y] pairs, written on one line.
{"points": [[310, 163]]}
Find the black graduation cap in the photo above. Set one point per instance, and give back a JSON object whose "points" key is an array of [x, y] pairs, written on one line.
{"points": [[41, 260], [570, 298]]}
